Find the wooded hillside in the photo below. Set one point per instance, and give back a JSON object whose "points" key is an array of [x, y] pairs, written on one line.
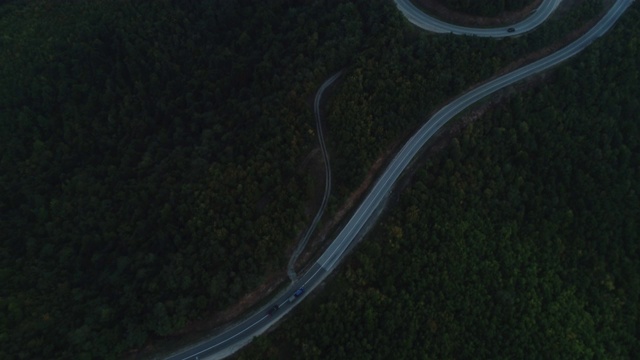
{"points": [[518, 240], [486, 7], [152, 165]]}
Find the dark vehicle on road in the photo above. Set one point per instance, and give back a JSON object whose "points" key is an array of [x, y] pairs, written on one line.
{"points": [[296, 294], [273, 309], [511, 29]]}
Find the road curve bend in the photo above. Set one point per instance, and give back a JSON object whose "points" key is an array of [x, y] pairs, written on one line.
{"points": [[429, 23], [411, 148], [234, 338], [327, 178]]}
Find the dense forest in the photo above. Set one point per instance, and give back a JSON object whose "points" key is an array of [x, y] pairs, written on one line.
{"points": [[517, 240], [150, 161], [152, 152], [486, 7], [386, 94]]}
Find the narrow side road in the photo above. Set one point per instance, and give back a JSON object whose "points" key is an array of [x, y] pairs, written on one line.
{"points": [[327, 178]]}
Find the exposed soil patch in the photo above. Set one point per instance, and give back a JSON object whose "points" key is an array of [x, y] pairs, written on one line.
{"points": [[435, 8]]}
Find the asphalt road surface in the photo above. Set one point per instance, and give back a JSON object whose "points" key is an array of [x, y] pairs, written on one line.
{"points": [[429, 23], [235, 337], [327, 178]]}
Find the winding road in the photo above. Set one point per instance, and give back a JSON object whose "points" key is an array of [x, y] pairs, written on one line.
{"points": [[234, 338], [327, 178], [429, 23]]}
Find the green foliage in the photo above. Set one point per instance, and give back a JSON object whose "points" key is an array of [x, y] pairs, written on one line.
{"points": [[401, 77], [485, 8], [150, 161], [520, 240], [151, 151]]}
